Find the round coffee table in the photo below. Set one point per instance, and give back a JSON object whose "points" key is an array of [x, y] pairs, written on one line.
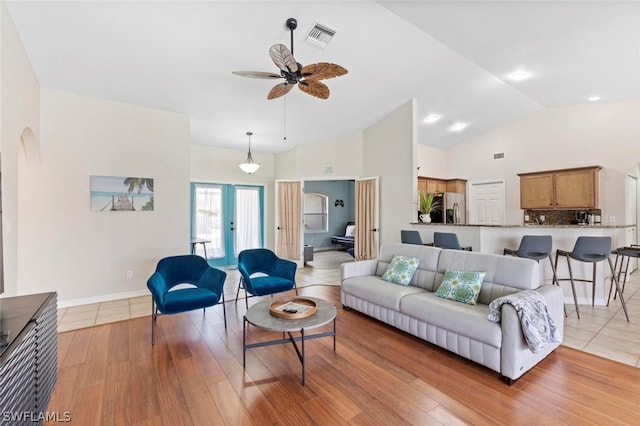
{"points": [[259, 316]]}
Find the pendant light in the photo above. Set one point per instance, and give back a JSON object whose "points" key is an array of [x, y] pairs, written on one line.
{"points": [[249, 166]]}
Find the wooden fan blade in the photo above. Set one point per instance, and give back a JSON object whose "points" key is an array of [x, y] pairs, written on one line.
{"points": [[322, 71], [256, 74], [314, 88], [282, 57], [279, 90]]}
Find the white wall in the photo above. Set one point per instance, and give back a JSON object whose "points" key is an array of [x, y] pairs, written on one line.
{"points": [[310, 160], [220, 165], [82, 254], [19, 113], [389, 151], [432, 162], [606, 134]]}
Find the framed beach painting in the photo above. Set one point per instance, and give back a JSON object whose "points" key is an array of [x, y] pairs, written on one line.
{"points": [[113, 193]]}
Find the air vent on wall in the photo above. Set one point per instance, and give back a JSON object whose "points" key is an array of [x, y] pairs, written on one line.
{"points": [[319, 35], [498, 156]]}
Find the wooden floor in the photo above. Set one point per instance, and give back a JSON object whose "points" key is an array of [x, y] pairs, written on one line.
{"points": [[110, 374]]}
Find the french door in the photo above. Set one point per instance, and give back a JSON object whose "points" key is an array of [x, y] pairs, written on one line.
{"points": [[229, 218]]}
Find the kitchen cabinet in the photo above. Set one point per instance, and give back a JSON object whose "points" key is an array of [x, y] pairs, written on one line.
{"points": [[431, 185], [560, 189], [434, 185], [457, 186]]}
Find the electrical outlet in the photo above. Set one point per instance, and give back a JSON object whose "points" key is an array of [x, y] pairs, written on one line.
{"points": [[542, 218], [129, 274], [612, 220], [526, 218]]}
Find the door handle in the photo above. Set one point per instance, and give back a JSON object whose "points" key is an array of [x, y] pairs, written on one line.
{"points": [[375, 229]]}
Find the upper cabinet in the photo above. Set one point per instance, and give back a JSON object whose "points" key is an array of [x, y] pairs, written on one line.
{"points": [[433, 185], [560, 189]]}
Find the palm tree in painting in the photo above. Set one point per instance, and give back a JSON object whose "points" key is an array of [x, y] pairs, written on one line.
{"points": [[139, 183]]}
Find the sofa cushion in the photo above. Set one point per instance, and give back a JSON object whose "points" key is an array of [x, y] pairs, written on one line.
{"points": [[401, 270], [504, 274], [461, 286], [377, 291], [424, 276], [467, 320]]}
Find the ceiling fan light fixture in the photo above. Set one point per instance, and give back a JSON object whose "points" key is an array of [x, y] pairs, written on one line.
{"points": [[249, 166]]}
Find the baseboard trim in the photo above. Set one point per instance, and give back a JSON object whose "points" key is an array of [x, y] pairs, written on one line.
{"points": [[102, 298]]}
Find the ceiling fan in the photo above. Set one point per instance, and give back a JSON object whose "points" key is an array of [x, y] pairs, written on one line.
{"points": [[307, 78]]}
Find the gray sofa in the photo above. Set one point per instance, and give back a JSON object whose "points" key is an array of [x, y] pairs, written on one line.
{"points": [[458, 327]]}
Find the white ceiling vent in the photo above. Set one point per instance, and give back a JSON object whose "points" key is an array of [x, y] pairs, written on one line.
{"points": [[319, 35]]}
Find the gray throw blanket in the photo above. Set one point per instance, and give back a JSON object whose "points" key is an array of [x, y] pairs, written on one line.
{"points": [[537, 325]]}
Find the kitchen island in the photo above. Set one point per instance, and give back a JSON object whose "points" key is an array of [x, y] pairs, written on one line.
{"points": [[495, 238]]}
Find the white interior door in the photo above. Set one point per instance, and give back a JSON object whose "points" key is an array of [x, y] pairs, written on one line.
{"points": [[486, 203]]}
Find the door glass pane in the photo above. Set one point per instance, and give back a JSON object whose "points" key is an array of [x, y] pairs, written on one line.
{"points": [[247, 219], [207, 218]]}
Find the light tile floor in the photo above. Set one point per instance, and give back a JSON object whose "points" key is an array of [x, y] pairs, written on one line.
{"points": [[324, 270], [601, 330]]}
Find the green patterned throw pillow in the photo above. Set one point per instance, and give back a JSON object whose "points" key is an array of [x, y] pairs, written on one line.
{"points": [[401, 270], [461, 286]]}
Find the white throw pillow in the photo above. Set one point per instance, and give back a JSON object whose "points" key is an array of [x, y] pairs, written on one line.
{"points": [[350, 231]]}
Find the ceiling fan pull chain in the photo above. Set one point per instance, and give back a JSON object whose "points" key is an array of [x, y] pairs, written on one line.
{"points": [[285, 117]]}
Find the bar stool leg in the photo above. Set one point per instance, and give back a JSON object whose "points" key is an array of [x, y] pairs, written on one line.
{"points": [[554, 280], [573, 287], [593, 285], [618, 290]]}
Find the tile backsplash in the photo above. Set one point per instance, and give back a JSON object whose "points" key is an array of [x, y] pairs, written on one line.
{"points": [[558, 217]]}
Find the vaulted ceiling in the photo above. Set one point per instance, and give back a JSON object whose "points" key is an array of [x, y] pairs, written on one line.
{"points": [[454, 58]]}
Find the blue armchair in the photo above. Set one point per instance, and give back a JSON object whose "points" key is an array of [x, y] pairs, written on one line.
{"points": [[207, 287], [262, 273]]}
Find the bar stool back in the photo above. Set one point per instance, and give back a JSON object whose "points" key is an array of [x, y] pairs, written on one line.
{"points": [[591, 250], [536, 247], [448, 240], [410, 237]]}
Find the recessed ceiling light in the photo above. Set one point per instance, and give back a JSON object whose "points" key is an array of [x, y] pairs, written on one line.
{"points": [[519, 75], [458, 126], [432, 118], [593, 98]]}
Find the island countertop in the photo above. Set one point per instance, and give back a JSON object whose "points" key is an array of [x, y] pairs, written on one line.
{"points": [[495, 238], [527, 225]]}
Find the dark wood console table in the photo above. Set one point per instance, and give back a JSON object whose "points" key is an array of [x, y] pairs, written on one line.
{"points": [[28, 356]]}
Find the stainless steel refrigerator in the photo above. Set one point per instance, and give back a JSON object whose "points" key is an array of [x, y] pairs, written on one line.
{"points": [[455, 208]]}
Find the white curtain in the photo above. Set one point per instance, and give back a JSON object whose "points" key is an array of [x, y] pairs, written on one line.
{"points": [[247, 219], [207, 219]]}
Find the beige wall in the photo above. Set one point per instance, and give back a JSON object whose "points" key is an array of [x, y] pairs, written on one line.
{"points": [[83, 254], [389, 148], [19, 116], [606, 134]]}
